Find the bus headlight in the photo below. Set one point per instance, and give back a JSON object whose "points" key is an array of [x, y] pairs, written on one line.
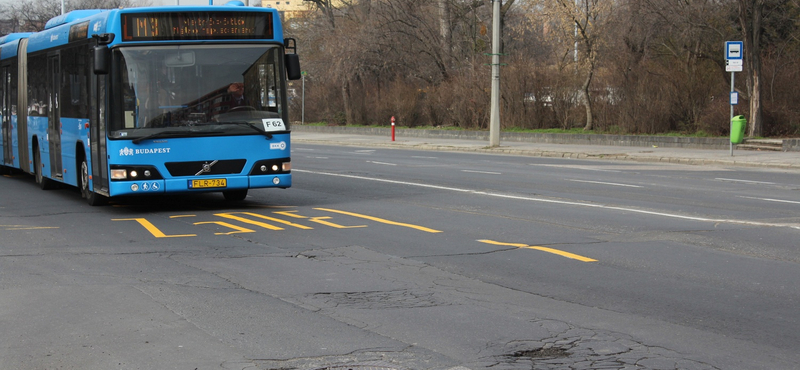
{"points": [[133, 172], [272, 166], [119, 174]]}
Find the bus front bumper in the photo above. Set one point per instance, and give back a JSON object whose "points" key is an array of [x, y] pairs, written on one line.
{"points": [[195, 185]]}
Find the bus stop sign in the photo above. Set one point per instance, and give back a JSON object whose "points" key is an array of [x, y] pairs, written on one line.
{"points": [[733, 56], [733, 50]]}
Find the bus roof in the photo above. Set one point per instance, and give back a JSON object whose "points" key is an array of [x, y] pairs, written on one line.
{"points": [[82, 24], [14, 36], [9, 44]]}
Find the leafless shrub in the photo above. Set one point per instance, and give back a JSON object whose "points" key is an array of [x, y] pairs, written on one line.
{"points": [[659, 66]]}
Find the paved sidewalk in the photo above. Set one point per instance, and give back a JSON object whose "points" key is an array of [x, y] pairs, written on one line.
{"points": [[744, 158]]}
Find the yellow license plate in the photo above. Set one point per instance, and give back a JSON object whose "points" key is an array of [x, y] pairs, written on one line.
{"points": [[208, 183]]}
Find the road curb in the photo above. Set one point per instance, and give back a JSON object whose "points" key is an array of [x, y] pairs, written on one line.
{"points": [[555, 154]]}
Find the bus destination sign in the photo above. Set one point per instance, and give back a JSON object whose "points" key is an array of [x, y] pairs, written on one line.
{"points": [[196, 26]]}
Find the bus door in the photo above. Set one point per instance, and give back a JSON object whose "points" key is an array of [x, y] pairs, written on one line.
{"points": [[54, 114], [5, 110], [98, 105]]}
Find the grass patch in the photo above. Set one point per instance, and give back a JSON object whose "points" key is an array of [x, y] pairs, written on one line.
{"points": [[576, 130]]}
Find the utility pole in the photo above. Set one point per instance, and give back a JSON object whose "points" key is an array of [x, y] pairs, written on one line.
{"points": [[303, 100], [494, 121]]}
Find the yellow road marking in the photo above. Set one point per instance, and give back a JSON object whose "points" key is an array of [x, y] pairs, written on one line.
{"points": [[421, 228], [268, 226], [249, 221], [222, 223], [24, 227], [290, 214], [544, 249], [319, 220], [331, 224], [151, 228]]}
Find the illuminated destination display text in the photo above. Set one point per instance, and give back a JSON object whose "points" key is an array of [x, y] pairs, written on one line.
{"points": [[196, 26]]}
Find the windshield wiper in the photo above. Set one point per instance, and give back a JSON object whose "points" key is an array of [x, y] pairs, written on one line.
{"points": [[256, 128], [174, 133]]}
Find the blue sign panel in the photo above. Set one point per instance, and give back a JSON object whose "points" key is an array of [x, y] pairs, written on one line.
{"points": [[734, 50]]}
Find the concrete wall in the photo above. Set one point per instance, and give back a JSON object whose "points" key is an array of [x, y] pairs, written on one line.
{"points": [[791, 145]]}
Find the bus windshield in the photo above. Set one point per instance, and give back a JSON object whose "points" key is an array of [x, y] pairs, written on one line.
{"points": [[197, 90]]}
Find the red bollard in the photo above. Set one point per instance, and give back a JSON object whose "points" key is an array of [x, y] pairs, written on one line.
{"points": [[392, 128]]}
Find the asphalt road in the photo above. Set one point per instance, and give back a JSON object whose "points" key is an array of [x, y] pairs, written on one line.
{"points": [[385, 258]]}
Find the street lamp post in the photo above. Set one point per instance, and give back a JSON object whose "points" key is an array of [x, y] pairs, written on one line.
{"points": [[303, 100]]}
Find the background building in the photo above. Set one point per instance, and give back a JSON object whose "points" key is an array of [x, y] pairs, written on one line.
{"points": [[289, 8]]}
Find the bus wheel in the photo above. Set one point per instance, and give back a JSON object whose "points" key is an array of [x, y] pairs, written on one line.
{"points": [[91, 197], [43, 182], [235, 195]]}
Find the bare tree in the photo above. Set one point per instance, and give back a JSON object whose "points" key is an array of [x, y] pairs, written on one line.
{"points": [[750, 17], [582, 22], [656, 65], [326, 7]]}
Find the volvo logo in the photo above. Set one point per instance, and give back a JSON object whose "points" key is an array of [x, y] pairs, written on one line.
{"points": [[206, 167]]}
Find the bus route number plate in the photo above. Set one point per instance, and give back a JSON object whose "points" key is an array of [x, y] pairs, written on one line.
{"points": [[208, 183]]}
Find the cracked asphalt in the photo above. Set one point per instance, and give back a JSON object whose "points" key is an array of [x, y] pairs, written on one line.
{"points": [[399, 287], [385, 270]]}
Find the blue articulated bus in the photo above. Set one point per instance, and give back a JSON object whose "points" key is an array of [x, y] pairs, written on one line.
{"points": [[146, 101]]}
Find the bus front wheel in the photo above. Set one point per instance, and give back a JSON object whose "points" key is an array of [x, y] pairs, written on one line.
{"points": [[43, 182], [235, 195], [91, 197]]}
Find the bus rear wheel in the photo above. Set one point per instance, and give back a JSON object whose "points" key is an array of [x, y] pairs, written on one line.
{"points": [[91, 197], [235, 195], [43, 182]]}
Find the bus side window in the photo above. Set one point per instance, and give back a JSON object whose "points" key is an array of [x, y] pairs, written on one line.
{"points": [[36, 86]]}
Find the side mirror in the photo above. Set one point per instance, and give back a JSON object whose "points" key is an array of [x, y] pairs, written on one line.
{"points": [[102, 54], [292, 62], [102, 60]]}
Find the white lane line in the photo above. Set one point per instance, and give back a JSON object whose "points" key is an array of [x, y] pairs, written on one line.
{"points": [[605, 183], [772, 200], [553, 201], [383, 163], [588, 168], [421, 157], [485, 172], [745, 181]]}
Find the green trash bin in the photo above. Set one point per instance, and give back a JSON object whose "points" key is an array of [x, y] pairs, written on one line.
{"points": [[738, 123]]}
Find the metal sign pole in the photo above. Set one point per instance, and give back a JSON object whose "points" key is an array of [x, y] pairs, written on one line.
{"points": [[734, 51], [730, 121]]}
